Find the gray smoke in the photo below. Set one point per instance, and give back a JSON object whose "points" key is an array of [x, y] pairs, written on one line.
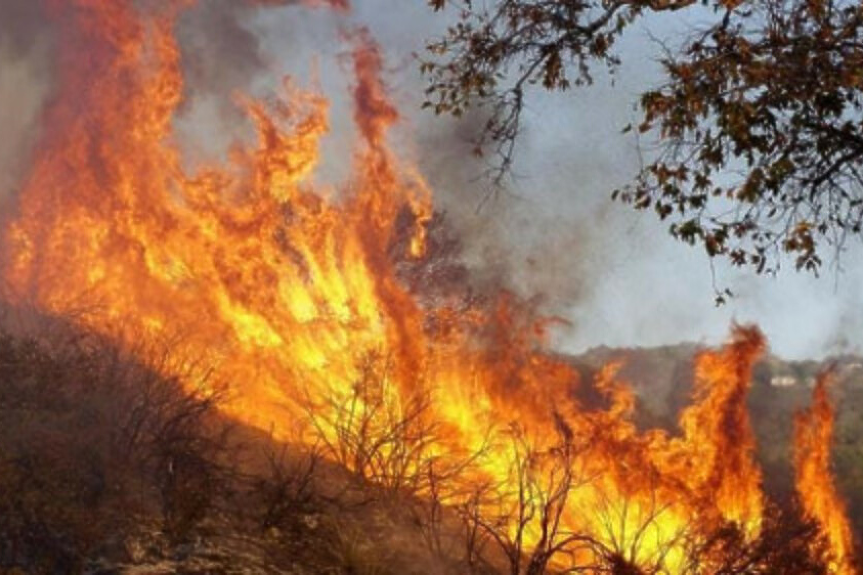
{"points": [[25, 82], [615, 274], [554, 234]]}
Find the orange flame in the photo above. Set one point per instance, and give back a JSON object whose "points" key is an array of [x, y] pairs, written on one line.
{"points": [[290, 292], [718, 426], [813, 436]]}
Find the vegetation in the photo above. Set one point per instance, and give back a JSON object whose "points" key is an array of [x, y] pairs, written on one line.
{"points": [[758, 119], [95, 445], [108, 466]]}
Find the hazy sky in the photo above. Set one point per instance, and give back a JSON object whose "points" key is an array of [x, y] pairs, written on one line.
{"points": [[613, 273]]}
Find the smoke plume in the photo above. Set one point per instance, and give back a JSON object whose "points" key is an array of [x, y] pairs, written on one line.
{"points": [[553, 234]]}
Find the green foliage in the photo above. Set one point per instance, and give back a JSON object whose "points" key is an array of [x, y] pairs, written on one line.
{"points": [[490, 56]]}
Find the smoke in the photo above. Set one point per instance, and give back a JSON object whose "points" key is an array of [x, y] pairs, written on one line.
{"points": [[25, 82], [22, 26], [506, 235], [222, 45], [552, 235], [223, 56], [221, 53], [536, 236]]}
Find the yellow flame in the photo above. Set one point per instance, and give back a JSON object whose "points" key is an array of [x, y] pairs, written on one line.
{"points": [[292, 292]]}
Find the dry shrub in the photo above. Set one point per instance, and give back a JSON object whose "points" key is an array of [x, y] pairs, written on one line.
{"points": [[785, 544], [384, 437], [95, 443], [520, 519], [285, 495]]}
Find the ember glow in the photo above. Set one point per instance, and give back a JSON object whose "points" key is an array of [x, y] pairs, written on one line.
{"points": [[297, 294]]}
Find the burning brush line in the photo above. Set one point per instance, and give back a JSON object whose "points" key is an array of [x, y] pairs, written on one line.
{"points": [[303, 303]]}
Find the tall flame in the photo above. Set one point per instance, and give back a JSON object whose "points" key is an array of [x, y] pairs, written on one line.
{"points": [[813, 437], [718, 426], [291, 291]]}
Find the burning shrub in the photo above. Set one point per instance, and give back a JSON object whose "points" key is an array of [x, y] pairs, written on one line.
{"points": [[384, 438], [785, 544], [292, 287], [523, 517]]}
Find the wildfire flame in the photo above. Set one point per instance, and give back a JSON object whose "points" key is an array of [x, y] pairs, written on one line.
{"points": [[813, 436], [293, 292]]}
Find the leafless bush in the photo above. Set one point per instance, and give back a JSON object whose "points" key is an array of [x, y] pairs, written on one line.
{"points": [[172, 430], [354, 553], [631, 534], [383, 436], [286, 493], [785, 544], [95, 441], [436, 513], [430, 513], [523, 516]]}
